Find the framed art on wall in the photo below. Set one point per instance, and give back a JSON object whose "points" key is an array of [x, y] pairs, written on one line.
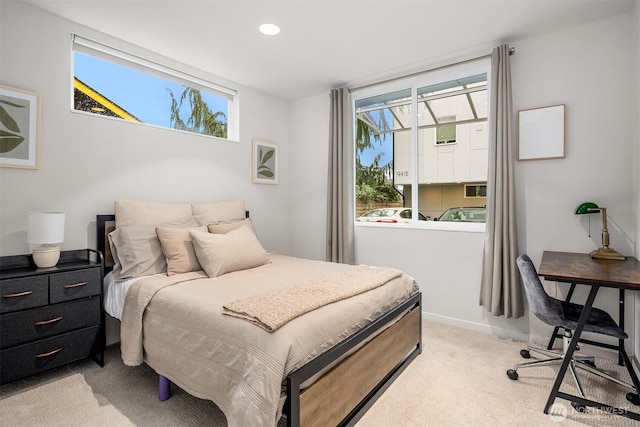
{"points": [[19, 128], [264, 164], [541, 133]]}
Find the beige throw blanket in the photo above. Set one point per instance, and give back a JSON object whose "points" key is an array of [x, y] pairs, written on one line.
{"points": [[275, 308]]}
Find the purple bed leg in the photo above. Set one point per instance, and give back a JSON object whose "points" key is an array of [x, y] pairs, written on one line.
{"points": [[164, 391]]}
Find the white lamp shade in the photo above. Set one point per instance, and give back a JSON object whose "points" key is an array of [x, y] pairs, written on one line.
{"points": [[45, 227]]}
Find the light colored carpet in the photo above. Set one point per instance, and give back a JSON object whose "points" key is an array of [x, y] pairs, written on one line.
{"points": [[458, 380]]}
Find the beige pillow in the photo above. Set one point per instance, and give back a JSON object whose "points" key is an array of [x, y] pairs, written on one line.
{"points": [[147, 213], [227, 227], [221, 212], [178, 249], [224, 253], [138, 250]]}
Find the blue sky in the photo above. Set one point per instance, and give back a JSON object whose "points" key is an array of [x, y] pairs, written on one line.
{"points": [[385, 147], [142, 95]]}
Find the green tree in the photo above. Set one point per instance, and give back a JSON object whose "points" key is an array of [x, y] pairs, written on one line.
{"points": [[202, 119], [372, 184]]}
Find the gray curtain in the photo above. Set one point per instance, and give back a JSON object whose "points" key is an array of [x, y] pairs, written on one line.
{"points": [[500, 290], [340, 186]]}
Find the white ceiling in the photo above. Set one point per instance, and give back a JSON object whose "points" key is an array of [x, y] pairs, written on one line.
{"points": [[324, 44]]}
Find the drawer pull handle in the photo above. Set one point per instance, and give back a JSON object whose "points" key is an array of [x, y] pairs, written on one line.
{"points": [[75, 285], [46, 322], [19, 294], [51, 353]]}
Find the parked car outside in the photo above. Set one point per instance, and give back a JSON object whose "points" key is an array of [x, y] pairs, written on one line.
{"points": [[469, 214], [390, 215]]}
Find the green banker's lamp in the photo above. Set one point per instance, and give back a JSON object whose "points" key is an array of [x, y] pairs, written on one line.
{"points": [[605, 252]]}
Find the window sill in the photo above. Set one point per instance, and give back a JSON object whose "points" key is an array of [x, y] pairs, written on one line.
{"points": [[465, 227]]}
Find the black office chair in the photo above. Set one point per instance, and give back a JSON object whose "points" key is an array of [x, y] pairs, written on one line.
{"points": [[565, 315]]}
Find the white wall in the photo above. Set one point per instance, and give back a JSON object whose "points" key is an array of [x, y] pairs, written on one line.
{"points": [[88, 162], [309, 134], [447, 265], [586, 68]]}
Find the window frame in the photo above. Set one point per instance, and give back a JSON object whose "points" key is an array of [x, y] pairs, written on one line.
{"points": [[413, 82], [477, 187], [153, 67]]}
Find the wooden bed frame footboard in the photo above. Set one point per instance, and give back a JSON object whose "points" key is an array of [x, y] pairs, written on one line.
{"points": [[342, 395]]}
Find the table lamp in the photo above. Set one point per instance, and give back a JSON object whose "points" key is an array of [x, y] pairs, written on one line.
{"points": [[605, 252], [46, 229]]}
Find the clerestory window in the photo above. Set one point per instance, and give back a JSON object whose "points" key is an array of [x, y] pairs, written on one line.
{"points": [[109, 82]]}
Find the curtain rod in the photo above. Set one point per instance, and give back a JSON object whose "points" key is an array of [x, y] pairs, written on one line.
{"points": [[512, 50]]}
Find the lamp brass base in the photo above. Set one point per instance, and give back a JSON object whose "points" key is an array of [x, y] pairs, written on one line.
{"points": [[607, 253]]}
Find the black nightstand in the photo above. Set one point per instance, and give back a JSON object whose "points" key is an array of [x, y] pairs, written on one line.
{"points": [[50, 316]]}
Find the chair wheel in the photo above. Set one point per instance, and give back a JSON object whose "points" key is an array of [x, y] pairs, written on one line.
{"points": [[512, 374], [633, 398], [525, 353], [579, 407]]}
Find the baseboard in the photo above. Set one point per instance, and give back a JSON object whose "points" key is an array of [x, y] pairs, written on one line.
{"points": [[476, 326]]}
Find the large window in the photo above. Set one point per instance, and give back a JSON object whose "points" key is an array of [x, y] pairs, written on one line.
{"points": [[422, 144], [114, 83]]}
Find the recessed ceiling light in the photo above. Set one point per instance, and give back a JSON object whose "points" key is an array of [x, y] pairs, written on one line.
{"points": [[269, 29]]}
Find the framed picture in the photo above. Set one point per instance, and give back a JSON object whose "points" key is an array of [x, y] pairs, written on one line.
{"points": [[19, 128], [264, 163], [541, 133]]}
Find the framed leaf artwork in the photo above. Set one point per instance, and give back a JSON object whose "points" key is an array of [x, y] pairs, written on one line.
{"points": [[264, 163], [19, 128]]}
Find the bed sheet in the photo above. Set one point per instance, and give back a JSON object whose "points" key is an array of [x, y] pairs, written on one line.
{"points": [[115, 292]]}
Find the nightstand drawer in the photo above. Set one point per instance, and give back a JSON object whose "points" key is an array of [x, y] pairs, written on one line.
{"points": [[27, 359], [74, 284], [21, 293], [30, 325]]}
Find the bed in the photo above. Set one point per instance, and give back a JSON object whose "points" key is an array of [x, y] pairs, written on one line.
{"points": [[203, 331]]}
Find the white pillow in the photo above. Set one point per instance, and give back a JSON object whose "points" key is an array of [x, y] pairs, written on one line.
{"points": [[236, 250]]}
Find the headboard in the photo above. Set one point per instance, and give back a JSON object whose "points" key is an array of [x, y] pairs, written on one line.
{"points": [[106, 224]]}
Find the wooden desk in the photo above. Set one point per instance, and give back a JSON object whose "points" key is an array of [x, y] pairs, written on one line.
{"points": [[581, 269]]}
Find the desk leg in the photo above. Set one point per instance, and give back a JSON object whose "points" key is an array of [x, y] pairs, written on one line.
{"points": [[556, 330], [623, 358], [572, 347], [621, 324], [632, 397]]}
